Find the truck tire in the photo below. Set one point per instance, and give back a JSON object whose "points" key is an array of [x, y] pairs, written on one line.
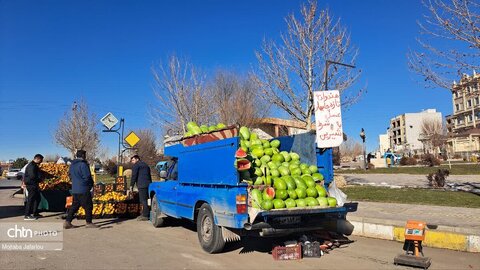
{"points": [[155, 214], [209, 234]]}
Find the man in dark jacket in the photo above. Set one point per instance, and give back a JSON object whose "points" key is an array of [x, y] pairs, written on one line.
{"points": [[141, 175], [82, 183], [32, 178]]}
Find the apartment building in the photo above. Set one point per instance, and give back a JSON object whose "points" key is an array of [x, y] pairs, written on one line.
{"points": [[463, 125], [405, 131]]}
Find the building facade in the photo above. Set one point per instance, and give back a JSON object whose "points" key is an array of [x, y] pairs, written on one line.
{"points": [[384, 143], [405, 131], [463, 125]]}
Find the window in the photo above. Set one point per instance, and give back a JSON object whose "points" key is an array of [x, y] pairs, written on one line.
{"points": [[469, 102], [470, 118], [477, 101], [456, 94], [457, 107]]}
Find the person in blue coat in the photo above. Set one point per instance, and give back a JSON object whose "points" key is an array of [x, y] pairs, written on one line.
{"points": [[82, 184], [142, 177]]}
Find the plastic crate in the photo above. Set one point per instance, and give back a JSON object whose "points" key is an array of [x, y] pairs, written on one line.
{"points": [[109, 188], [311, 250], [99, 189], [280, 253]]}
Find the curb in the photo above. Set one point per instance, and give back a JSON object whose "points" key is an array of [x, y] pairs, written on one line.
{"points": [[436, 236]]}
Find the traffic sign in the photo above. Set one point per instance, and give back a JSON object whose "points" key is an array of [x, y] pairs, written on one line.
{"points": [[109, 120], [132, 139]]}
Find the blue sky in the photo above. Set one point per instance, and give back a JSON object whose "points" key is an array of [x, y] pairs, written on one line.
{"points": [[55, 52]]}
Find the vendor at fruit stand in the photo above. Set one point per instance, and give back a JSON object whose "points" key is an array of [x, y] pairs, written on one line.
{"points": [[32, 178], [82, 184], [142, 176]]}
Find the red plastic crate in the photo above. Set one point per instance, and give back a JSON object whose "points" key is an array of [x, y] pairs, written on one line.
{"points": [[280, 253]]}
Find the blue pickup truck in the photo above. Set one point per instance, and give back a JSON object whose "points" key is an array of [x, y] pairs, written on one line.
{"points": [[202, 185]]}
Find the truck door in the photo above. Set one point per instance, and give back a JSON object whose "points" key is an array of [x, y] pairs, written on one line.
{"points": [[168, 196]]}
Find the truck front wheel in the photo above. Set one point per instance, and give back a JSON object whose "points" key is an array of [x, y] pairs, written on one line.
{"points": [[209, 234], [155, 214]]}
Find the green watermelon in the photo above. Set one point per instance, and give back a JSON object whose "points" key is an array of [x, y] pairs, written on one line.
{"points": [[286, 156], [292, 194], [304, 166], [301, 202], [267, 205], [322, 192], [313, 169], [290, 203], [268, 180], [290, 182], [311, 201], [301, 192], [253, 136], [283, 170], [317, 176], [221, 126], [296, 171], [257, 198], [271, 165], [265, 159], [257, 153], [308, 180], [212, 128], [279, 183], [268, 151], [312, 192], [191, 125], [204, 128], [322, 201], [275, 144], [281, 194], [278, 157], [266, 144], [332, 202], [259, 181], [245, 133], [278, 204], [274, 172], [294, 156]]}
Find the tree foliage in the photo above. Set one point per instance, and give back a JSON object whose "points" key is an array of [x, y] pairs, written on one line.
{"points": [[449, 42], [19, 163], [290, 71], [77, 130]]}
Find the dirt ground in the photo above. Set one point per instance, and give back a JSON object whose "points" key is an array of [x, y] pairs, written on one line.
{"points": [[130, 244]]}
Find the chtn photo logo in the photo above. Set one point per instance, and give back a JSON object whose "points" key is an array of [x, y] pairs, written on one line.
{"points": [[22, 232]]}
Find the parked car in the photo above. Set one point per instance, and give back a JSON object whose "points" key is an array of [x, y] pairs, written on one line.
{"points": [[14, 173]]}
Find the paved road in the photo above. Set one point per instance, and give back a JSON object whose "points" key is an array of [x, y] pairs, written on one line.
{"points": [[410, 180], [137, 245]]}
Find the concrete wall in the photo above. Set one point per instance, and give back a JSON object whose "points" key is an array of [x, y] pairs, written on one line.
{"points": [[384, 143], [413, 126]]}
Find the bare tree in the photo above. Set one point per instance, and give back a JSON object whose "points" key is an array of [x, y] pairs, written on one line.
{"points": [[146, 148], [290, 71], [351, 149], [236, 99], [450, 42], [181, 94], [78, 130], [433, 132]]}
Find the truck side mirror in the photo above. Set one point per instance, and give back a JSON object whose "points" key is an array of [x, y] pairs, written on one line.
{"points": [[163, 174]]}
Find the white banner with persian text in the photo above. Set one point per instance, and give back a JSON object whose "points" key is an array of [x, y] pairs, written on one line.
{"points": [[328, 118]]}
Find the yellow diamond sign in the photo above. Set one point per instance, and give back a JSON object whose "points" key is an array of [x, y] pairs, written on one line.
{"points": [[132, 139]]}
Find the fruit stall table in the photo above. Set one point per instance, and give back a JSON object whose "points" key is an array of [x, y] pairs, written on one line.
{"points": [[53, 200]]}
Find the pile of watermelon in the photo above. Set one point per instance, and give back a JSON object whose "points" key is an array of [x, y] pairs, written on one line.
{"points": [[279, 178], [194, 129]]}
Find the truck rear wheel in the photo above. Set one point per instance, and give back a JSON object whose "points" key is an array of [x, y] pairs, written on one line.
{"points": [[155, 214], [209, 234]]}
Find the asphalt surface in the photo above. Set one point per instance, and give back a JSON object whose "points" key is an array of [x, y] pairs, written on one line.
{"points": [[410, 180], [129, 244]]}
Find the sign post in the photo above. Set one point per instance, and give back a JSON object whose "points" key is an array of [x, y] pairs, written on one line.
{"points": [[328, 118]]}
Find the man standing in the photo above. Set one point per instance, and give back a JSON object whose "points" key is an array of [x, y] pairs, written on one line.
{"points": [[32, 178], [141, 175], [82, 183]]}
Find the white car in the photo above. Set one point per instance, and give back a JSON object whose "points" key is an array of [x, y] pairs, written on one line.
{"points": [[14, 174]]}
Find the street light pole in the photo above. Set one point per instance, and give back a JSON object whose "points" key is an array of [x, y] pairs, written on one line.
{"points": [[327, 64], [362, 135]]}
